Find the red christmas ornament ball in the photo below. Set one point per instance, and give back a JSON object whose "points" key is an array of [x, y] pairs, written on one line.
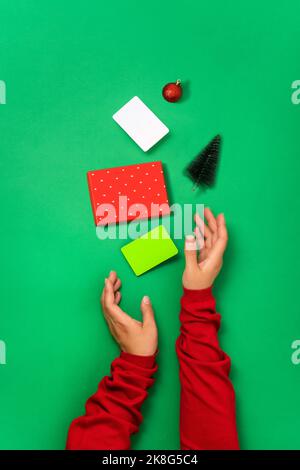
{"points": [[172, 91]]}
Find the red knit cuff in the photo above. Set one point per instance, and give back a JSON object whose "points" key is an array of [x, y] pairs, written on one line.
{"points": [[148, 362], [198, 295]]}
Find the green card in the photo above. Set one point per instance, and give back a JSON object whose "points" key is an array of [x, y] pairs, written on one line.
{"points": [[149, 250]]}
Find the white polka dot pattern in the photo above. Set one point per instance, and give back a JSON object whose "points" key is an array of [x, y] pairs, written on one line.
{"points": [[142, 184]]}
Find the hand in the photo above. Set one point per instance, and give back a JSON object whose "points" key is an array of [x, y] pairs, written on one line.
{"points": [[212, 239], [134, 337]]}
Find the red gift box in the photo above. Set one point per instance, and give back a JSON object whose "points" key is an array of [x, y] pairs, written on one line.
{"points": [[129, 192]]}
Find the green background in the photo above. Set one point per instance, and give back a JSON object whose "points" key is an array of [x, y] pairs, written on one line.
{"points": [[68, 66]]}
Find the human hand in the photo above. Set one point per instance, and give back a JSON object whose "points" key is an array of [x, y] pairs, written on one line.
{"points": [[133, 337], [212, 237]]}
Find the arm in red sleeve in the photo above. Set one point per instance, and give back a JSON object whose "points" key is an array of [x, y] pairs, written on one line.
{"points": [[207, 407], [113, 413]]}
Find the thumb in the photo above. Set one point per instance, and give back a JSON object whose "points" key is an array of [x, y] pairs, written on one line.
{"points": [[147, 311], [190, 251]]}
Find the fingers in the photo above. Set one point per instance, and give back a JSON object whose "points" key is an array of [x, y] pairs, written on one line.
{"points": [[190, 251], [113, 277], [199, 238], [147, 312], [109, 295], [110, 302], [222, 229], [212, 224], [117, 285], [118, 297], [115, 280], [204, 230], [219, 247]]}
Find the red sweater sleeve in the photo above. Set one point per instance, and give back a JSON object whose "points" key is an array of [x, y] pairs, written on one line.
{"points": [[113, 412], [207, 406]]}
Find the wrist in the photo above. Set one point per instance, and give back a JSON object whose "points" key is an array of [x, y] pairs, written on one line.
{"points": [[197, 285]]}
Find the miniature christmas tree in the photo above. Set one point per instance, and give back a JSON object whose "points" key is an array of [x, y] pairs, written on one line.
{"points": [[202, 170]]}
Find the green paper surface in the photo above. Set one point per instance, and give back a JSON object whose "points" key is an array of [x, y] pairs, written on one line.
{"points": [[148, 251], [68, 67]]}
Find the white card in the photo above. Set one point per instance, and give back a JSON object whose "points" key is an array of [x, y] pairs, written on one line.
{"points": [[140, 123]]}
